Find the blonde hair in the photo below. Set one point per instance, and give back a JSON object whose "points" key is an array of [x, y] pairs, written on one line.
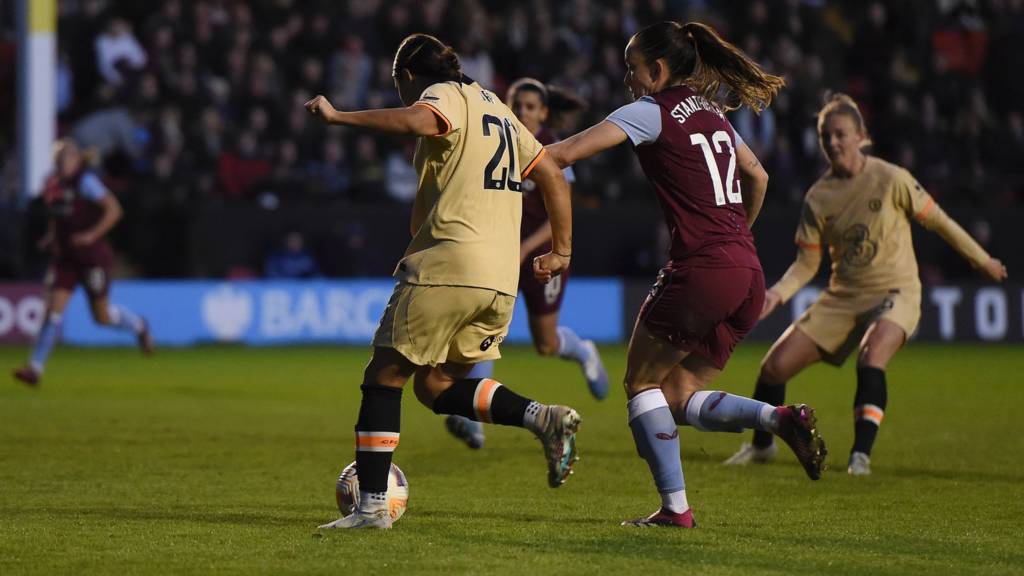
{"points": [[840, 103]]}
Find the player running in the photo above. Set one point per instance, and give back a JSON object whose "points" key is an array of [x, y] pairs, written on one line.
{"points": [[457, 282], [81, 212], [709, 294], [532, 102], [861, 208]]}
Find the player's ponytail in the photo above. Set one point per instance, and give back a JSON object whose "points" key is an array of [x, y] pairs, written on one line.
{"points": [[714, 68], [840, 103], [425, 55], [721, 65]]}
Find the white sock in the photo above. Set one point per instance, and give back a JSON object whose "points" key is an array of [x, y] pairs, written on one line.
{"points": [[675, 502], [372, 501], [533, 417]]}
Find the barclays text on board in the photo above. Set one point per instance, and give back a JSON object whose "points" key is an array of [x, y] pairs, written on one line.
{"points": [[347, 312]]}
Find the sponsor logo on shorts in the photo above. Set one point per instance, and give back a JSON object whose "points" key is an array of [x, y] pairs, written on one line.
{"points": [[490, 341]]}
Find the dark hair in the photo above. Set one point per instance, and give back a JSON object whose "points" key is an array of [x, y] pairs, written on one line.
{"points": [[558, 100], [425, 55], [528, 85], [695, 52], [840, 103]]}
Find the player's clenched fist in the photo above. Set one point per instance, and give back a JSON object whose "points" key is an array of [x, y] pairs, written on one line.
{"points": [[548, 266], [320, 106], [772, 299]]}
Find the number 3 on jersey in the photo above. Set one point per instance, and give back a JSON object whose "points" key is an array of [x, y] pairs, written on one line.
{"points": [[716, 178], [508, 138]]}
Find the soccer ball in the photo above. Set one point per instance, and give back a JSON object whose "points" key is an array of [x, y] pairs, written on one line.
{"points": [[346, 491]]}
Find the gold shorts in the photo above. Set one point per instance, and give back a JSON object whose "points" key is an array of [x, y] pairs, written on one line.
{"points": [[837, 321], [431, 325]]}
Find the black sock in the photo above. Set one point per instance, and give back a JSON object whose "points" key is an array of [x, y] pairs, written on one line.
{"points": [[483, 400], [868, 407], [377, 430], [774, 394]]}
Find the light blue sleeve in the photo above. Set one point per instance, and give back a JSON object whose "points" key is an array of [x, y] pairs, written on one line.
{"points": [[91, 187], [640, 120], [570, 176], [736, 133]]}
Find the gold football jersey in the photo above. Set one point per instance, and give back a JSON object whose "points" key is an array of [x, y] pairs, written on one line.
{"points": [[466, 217], [865, 220]]}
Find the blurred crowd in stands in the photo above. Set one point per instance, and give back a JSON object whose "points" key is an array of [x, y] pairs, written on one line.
{"points": [[198, 102]]}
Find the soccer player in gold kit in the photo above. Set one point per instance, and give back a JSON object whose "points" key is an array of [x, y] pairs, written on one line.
{"points": [[458, 280], [861, 208]]}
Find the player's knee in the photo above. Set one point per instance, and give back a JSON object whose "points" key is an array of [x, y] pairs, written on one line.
{"points": [[774, 370], [546, 347], [424, 394], [101, 316], [869, 357]]}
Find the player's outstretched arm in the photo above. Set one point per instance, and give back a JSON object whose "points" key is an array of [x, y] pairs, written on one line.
{"points": [[754, 182], [800, 272], [411, 120], [935, 218], [558, 202], [590, 142]]}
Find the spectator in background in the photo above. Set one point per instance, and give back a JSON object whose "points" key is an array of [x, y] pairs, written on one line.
{"points": [[293, 260], [118, 52], [243, 168]]}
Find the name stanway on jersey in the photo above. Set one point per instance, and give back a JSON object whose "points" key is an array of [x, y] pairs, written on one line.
{"points": [[687, 150], [468, 207]]}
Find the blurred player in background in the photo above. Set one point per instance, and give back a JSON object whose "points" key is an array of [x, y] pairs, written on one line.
{"points": [[862, 208], [533, 103], [81, 213], [709, 295], [457, 282]]}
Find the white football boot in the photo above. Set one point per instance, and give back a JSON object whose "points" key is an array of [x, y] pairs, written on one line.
{"points": [[558, 435], [860, 464], [749, 453], [379, 519]]}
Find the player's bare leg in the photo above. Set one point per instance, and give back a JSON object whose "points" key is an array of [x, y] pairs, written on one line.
{"points": [[550, 339], [789, 355], [56, 302], [121, 318], [649, 361], [880, 343]]}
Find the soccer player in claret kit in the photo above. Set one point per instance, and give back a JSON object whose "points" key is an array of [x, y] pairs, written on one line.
{"points": [[532, 102], [708, 297], [457, 282], [862, 208], [81, 212]]}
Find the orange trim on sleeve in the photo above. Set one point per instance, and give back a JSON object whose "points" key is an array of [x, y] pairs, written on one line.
{"points": [[533, 164], [920, 216], [806, 246], [439, 115]]}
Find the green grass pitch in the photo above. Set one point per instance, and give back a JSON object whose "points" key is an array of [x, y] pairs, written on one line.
{"points": [[223, 460]]}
